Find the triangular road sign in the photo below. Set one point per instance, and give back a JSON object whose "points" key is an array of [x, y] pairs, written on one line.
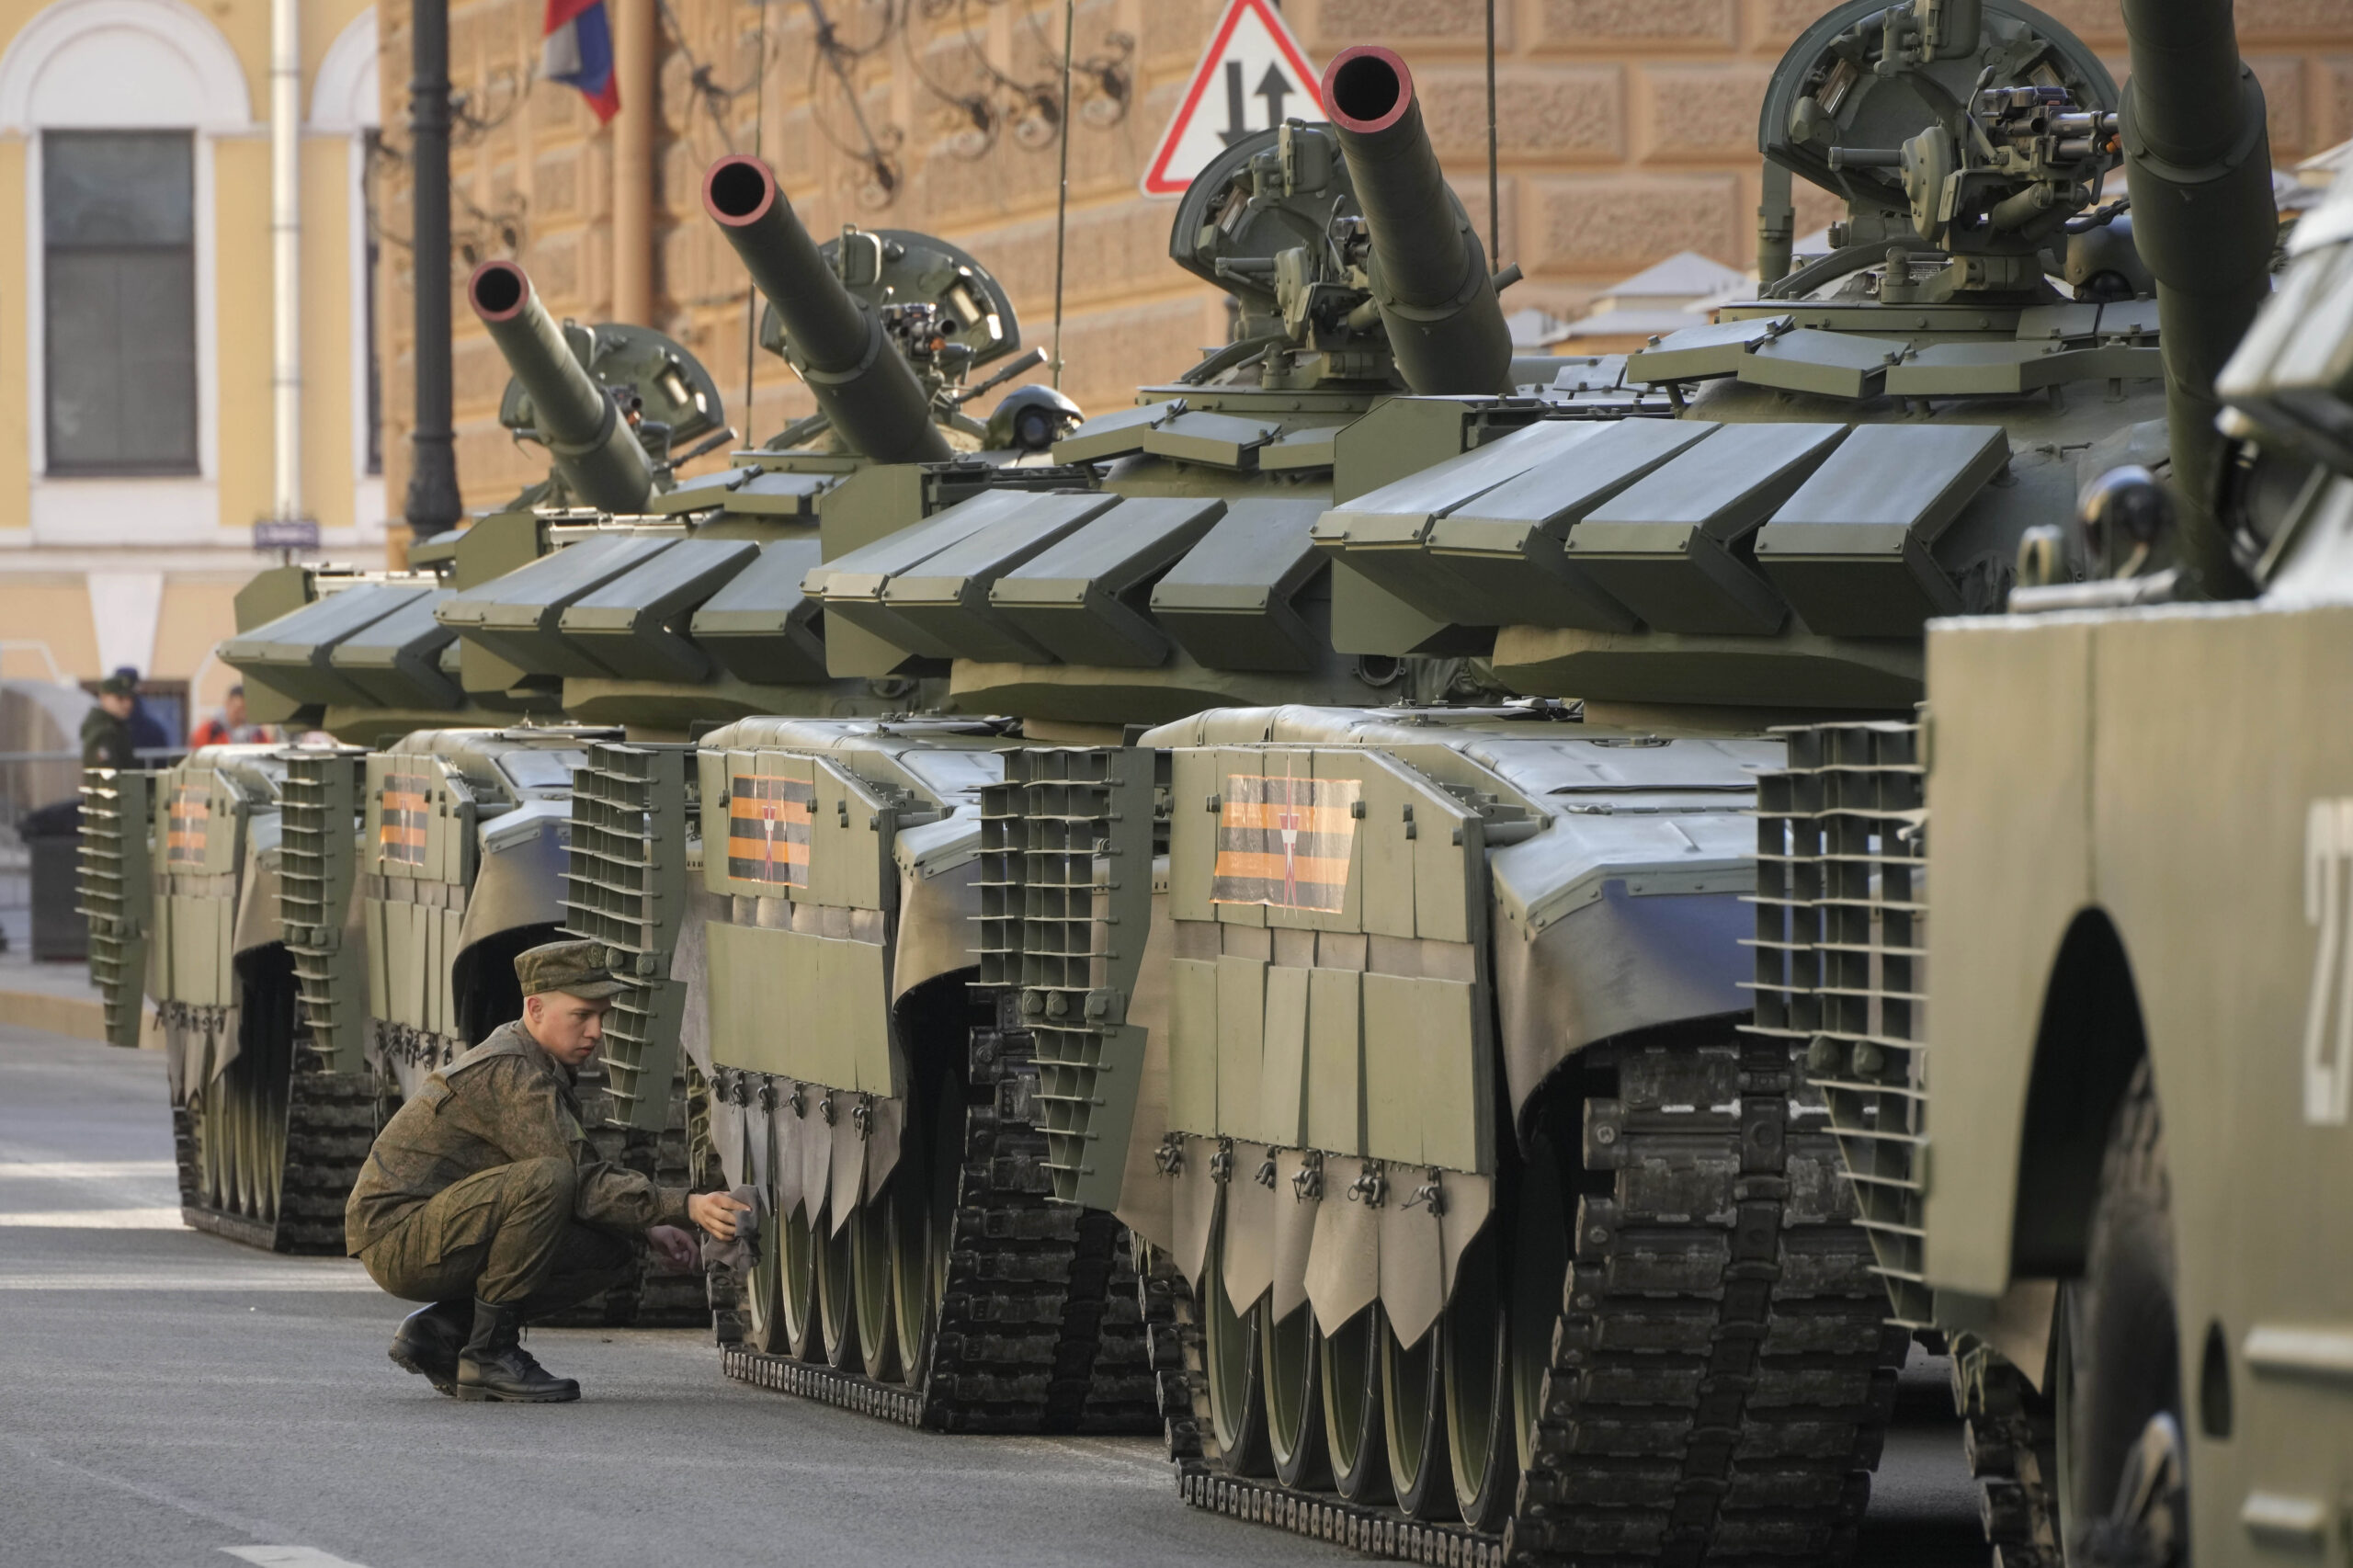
{"points": [[1253, 77]]}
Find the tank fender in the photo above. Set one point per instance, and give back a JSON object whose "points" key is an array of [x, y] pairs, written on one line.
{"points": [[1604, 924], [939, 898], [519, 879], [258, 925]]}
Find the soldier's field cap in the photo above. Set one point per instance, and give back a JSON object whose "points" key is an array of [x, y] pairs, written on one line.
{"points": [[119, 685], [576, 968]]}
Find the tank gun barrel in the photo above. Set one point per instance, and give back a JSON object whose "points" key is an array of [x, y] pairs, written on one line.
{"points": [[597, 452], [863, 386], [2197, 161], [1430, 278]]}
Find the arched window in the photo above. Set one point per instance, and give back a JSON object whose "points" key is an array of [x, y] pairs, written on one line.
{"points": [[119, 101]]}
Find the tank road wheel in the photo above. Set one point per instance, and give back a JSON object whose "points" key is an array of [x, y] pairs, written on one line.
{"points": [[1479, 1386], [1289, 1362], [1349, 1370], [1230, 1353], [2123, 1460], [925, 1189], [764, 1327], [1413, 1423], [837, 1315], [204, 1148], [1720, 1375], [797, 1268], [873, 1302]]}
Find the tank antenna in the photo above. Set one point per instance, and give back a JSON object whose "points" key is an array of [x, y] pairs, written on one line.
{"points": [[1062, 196], [760, 150], [1494, 206]]}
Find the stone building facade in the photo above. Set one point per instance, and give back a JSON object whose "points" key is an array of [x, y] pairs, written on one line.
{"points": [[1627, 133]]}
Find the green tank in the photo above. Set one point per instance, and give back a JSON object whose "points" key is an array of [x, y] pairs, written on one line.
{"points": [[1541, 1254], [181, 881], [2067, 951]]}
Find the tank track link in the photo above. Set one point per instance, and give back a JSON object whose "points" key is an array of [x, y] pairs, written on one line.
{"points": [[2010, 1440], [1376, 1533], [1038, 1330], [1722, 1373], [330, 1123], [653, 1300]]}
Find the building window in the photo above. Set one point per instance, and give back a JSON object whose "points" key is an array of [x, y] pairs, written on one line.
{"points": [[119, 312]]}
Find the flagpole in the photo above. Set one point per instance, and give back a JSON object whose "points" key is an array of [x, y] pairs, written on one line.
{"points": [[433, 503], [1062, 198]]}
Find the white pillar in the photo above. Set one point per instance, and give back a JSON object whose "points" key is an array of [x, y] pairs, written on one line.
{"points": [[286, 250]]}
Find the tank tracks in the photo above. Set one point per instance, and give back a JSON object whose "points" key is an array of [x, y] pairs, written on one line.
{"points": [[653, 1300], [1720, 1376], [330, 1122], [1039, 1327], [2010, 1440]]}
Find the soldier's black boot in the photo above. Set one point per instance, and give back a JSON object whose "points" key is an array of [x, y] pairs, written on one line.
{"points": [[494, 1365], [428, 1341]]}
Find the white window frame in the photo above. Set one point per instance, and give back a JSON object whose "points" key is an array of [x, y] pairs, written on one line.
{"points": [[45, 84]]}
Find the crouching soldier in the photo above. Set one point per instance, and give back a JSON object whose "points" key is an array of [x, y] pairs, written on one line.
{"points": [[483, 1198]]}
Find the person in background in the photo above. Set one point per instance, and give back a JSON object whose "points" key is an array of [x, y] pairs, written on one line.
{"points": [[106, 729], [147, 732], [227, 727]]}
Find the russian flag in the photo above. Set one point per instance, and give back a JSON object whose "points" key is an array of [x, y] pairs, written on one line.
{"points": [[577, 49]]}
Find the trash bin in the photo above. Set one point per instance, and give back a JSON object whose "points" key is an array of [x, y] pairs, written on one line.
{"points": [[53, 836]]}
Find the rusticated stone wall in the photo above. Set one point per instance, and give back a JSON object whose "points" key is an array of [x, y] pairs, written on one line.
{"points": [[1628, 132]]}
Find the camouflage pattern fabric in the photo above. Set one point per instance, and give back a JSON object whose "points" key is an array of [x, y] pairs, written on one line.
{"points": [[490, 1167], [505, 1235]]}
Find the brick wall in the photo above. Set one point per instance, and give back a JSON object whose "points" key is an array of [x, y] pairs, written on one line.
{"points": [[1628, 132]]}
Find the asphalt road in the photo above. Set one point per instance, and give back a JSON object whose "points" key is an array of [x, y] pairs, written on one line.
{"points": [[168, 1398]]}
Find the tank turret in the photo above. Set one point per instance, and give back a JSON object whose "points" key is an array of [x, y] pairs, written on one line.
{"points": [[1430, 277], [870, 395]]}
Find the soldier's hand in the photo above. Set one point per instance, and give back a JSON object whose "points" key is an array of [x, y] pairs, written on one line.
{"points": [[674, 1247], [715, 1212]]}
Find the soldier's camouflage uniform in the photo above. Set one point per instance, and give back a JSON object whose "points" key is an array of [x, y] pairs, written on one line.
{"points": [[485, 1185]]}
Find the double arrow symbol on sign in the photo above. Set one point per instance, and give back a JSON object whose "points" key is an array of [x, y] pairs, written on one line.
{"points": [[1274, 87]]}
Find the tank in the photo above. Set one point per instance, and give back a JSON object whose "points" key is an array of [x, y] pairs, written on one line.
{"points": [[181, 881], [1450, 704], [2018, 932]]}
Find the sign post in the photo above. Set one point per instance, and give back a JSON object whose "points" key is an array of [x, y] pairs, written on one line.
{"points": [[1252, 77]]}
